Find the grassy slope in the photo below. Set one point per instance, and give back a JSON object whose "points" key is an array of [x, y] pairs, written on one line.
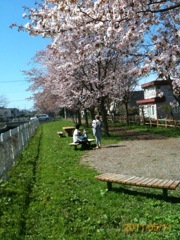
{"points": [[51, 196]]}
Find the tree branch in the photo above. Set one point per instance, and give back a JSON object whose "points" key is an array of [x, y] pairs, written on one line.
{"points": [[161, 10]]}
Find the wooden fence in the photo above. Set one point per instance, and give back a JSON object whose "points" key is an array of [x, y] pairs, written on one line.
{"points": [[162, 122], [149, 121]]}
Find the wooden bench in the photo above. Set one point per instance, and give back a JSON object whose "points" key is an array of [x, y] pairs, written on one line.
{"points": [[80, 143], [60, 134], [164, 184]]}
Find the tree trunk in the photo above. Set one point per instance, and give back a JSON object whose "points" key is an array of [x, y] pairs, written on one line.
{"points": [[127, 112], [143, 116], [86, 118], [79, 117], [92, 112], [104, 117]]}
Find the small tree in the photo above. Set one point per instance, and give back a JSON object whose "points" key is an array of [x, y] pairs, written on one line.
{"points": [[3, 101]]}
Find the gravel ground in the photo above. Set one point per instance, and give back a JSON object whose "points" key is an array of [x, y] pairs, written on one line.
{"points": [[156, 158]]}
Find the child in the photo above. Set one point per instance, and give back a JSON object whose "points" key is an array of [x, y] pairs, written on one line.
{"points": [[96, 125], [84, 135]]}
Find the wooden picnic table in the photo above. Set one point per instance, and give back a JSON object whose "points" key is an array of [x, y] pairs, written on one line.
{"points": [[69, 130]]}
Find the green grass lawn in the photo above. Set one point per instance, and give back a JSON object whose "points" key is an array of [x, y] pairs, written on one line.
{"points": [[50, 195]]}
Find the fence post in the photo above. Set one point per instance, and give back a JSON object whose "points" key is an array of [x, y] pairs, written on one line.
{"points": [[3, 167], [150, 122], [22, 137], [166, 122], [1, 137], [11, 142], [157, 123], [175, 123]]}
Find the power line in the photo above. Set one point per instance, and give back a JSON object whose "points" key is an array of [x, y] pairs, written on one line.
{"points": [[13, 81], [27, 100]]}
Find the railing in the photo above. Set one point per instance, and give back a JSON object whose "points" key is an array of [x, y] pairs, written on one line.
{"points": [[12, 143]]}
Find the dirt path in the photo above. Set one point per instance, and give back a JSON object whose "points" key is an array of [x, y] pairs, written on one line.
{"points": [[148, 155]]}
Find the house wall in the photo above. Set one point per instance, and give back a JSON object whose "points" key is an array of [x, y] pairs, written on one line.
{"points": [[159, 110], [176, 112], [167, 93], [8, 113], [14, 112], [5, 113], [152, 92]]}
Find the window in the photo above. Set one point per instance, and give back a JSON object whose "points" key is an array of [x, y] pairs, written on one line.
{"points": [[150, 110], [150, 92]]}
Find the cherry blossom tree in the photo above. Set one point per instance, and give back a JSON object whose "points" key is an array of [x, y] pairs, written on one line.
{"points": [[164, 55], [89, 84], [88, 37]]}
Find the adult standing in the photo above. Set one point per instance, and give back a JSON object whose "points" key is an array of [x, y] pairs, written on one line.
{"points": [[96, 125]]}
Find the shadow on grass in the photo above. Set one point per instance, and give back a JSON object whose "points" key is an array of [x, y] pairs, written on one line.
{"points": [[84, 147], [171, 199]]}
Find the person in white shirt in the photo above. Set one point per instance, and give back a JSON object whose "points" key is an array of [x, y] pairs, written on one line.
{"points": [[77, 134]]}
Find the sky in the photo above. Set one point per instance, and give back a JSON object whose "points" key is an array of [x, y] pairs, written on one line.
{"points": [[16, 51]]}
